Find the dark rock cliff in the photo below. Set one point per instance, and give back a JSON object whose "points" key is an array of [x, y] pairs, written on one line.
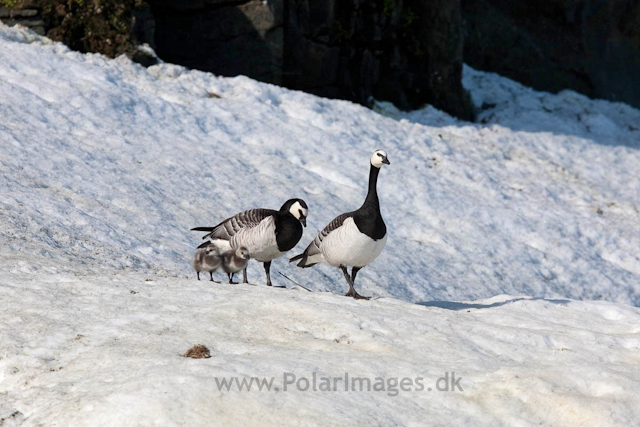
{"points": [[409, 52], [405, 51], [221, 36], [590, 46]]}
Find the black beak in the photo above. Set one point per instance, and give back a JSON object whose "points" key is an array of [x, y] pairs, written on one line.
{"points": [[386, 161], [303, 220]]}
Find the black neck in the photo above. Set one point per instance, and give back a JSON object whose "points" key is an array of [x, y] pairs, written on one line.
{"points": [[372, 195], [368, 218]]}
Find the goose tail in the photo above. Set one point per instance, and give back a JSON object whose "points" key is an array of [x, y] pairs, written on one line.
{"points": [[303, 260], [209, 229]]}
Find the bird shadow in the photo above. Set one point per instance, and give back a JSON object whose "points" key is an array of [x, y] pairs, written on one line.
{"points": [[455, 305]]}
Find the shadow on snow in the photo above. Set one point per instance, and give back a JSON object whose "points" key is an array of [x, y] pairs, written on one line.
{"points": [[455, 305]]}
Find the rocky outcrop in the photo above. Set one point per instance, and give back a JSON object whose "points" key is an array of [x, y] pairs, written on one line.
{"points": [[104, 26], [224, 37], [25, 13], [405, 51], [408, 52], [590, 46]]}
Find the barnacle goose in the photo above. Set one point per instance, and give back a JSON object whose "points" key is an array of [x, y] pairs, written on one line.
{"points": [[207, 259], [234, 260], [353, 238], [266, 233]]}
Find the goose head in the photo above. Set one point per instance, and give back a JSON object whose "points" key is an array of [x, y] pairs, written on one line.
{"points": [[298, 208], [379, 158]]}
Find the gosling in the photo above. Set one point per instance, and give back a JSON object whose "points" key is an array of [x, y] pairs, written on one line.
{"points": [[235, 260], [207, 259]]}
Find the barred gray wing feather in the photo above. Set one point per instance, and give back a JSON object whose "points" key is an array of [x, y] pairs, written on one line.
{"points": [[231, 226]]}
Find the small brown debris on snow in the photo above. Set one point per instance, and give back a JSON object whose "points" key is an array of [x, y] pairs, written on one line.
{"points": [[198, 352]]}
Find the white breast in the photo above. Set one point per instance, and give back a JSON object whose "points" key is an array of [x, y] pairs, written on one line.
{"points": [[349, 246], [259, 240]]}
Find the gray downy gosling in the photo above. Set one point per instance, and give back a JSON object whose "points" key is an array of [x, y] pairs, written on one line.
{"points": [[235, 260], [207, 259]]}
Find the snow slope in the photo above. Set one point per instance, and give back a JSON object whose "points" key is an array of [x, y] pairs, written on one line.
{"points": [[87, 351], [105, 165], [111, 164]]}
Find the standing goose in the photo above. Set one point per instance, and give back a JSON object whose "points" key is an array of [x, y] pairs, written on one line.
{"points": [[266, 233], [353, 238]]}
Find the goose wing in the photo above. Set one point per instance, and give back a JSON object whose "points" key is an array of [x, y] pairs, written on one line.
{"points": [[314, 246], [231, 226]]}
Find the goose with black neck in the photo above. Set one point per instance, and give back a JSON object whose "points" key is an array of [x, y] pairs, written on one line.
{"points": [[352, 239], [267, 234]]}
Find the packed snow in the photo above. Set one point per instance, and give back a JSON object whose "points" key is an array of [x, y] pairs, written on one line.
{"points": [[502, 234]]}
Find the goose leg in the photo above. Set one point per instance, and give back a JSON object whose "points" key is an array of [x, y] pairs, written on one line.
{"points": [[354, 271], [352, 291], [231, 278], [267, 269], [244, 272], [198, 274], [211, 275]]}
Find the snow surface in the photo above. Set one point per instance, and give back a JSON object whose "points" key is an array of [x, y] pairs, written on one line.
{"points": [[105, 165]]}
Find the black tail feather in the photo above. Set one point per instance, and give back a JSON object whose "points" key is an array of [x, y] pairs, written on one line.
{"points": [[297, 257], [204, 245], [209, 229], [301, 264], [303, 258]]}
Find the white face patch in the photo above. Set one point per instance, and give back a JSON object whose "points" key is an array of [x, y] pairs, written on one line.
{"points": [[296, 210], [378, 158]]}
